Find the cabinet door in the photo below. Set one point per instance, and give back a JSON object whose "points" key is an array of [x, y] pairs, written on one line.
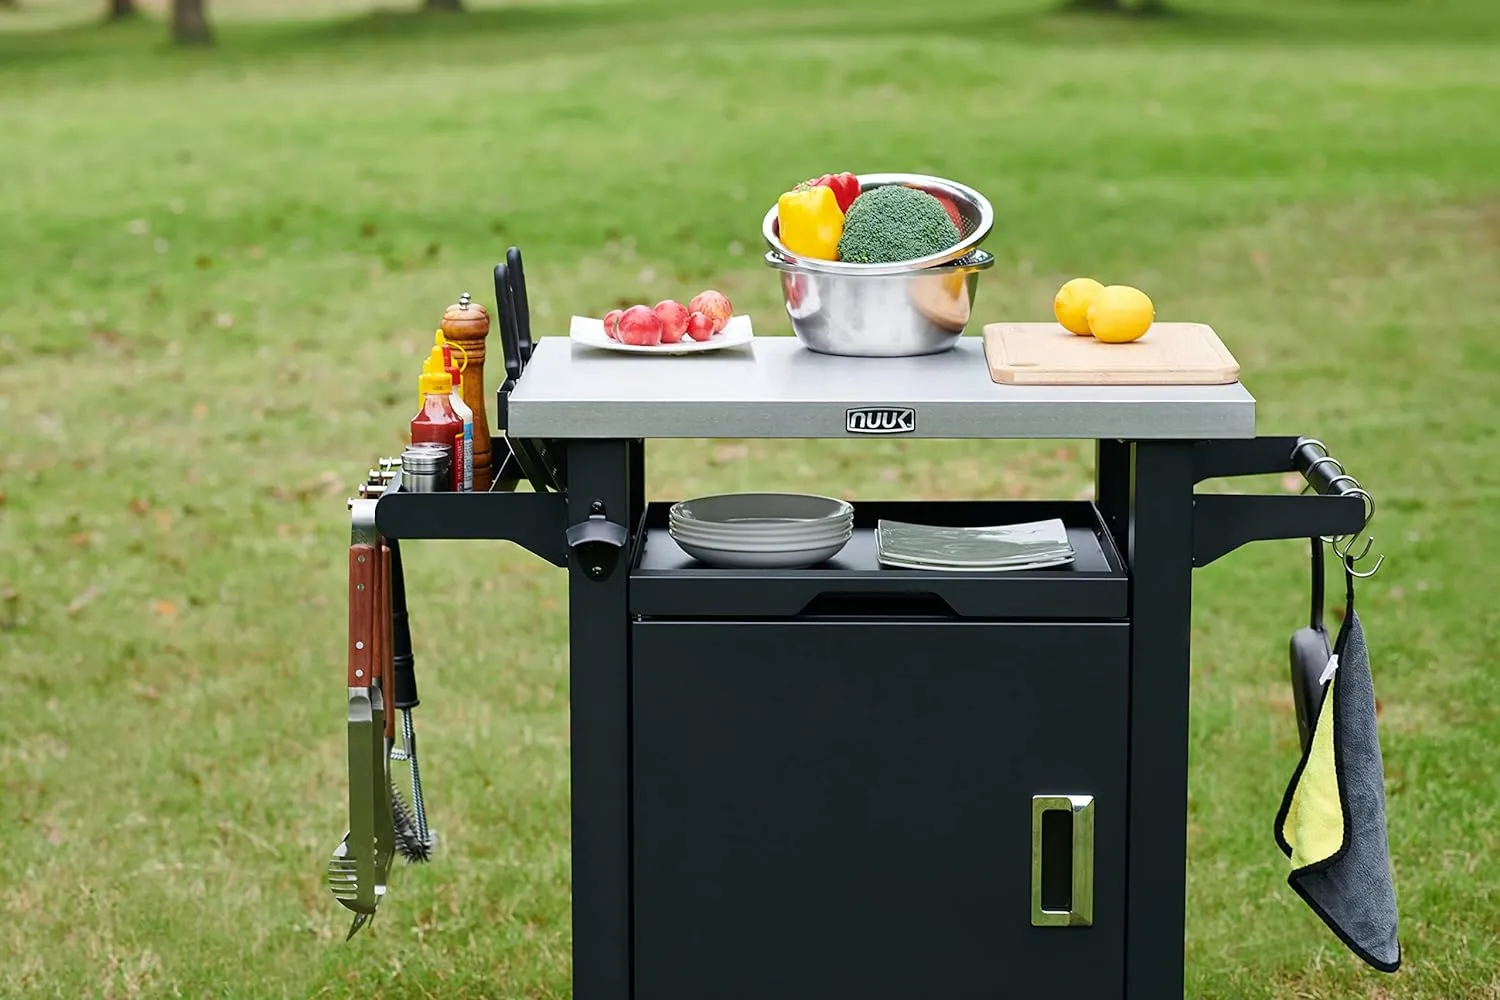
{"points": [[845, 810]]}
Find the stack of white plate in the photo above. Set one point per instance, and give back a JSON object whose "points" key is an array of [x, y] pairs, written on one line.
{"points": [[762, 530]]}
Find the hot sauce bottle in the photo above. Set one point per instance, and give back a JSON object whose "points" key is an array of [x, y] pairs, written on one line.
{"points": [[437, 422]]}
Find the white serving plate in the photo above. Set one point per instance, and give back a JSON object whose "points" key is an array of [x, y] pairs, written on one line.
{"points": [[890, 563], [762, 543], [796, 558], [790, 531], [725, 509], [589, 331]]}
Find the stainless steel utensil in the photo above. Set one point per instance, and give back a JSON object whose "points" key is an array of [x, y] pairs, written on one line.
{"points": [[977, 219], [354, 872], [876, 313], [410, 835], [415, 843], [385, 716]]}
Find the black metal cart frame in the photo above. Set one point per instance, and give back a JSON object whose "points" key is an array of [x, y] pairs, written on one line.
{"points": [[1161, 528]]}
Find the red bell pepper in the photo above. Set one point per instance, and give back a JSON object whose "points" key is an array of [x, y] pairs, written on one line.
{"points": [[845, 188], [950, 208]]}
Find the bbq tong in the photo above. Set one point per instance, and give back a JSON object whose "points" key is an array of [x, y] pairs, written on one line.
{"points": [[359, 867], [380, 680]]}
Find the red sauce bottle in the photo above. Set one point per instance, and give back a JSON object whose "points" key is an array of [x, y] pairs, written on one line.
{"points": [[438, 423]]}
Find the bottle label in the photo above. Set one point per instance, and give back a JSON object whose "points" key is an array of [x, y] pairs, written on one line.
{"points": [[468, 450]]}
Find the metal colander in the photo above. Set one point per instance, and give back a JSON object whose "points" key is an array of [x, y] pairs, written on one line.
{"points": [[978, 218]]}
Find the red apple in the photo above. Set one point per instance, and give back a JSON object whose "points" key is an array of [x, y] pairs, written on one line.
{"points": [[700, 327], [611, 323], [714, 305], [639, 327], [674, 320]]}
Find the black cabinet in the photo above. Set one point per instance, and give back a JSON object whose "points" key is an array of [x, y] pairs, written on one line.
{"points": [[844, 807]]}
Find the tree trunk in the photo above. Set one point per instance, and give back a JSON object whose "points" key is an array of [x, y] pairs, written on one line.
{"points": [[442, 4], [189, 25], [120, 9]]}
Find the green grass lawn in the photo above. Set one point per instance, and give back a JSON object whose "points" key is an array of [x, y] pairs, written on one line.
{"points": [[220, 270]]}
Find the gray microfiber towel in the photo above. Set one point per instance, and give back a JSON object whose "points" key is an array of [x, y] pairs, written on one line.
{"points": [[1332, 819]]}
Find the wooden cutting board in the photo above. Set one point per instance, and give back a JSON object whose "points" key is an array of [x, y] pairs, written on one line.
{"points": [[1046, 354]]}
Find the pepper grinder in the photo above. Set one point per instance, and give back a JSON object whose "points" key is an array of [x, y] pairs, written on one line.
{"points": [[466, 324]]}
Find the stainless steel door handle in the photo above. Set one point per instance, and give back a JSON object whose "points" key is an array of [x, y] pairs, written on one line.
{"points": [[1062, 860]]}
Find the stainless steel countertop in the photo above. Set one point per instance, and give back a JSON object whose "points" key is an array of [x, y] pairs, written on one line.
{"points": [[776, 388]]}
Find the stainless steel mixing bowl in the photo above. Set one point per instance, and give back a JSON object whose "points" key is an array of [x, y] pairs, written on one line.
{"points": [[880, 315], [891, 310]]}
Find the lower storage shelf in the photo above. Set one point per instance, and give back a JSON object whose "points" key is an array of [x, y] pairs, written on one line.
{"points": [[666, 581]]}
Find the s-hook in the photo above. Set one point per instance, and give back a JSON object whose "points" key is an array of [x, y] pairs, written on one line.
{"points": [[1346, 553]]}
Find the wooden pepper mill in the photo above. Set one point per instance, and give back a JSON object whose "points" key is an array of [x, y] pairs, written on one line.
{"points": [[466, 324]]}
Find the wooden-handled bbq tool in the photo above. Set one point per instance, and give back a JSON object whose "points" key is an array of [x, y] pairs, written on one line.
{"points": [[354, 875], [379, 823], [409, 834]]}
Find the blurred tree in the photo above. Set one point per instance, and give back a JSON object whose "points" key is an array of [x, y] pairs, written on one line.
{"points": [[119, 9], [189, 24], [442, 4]]}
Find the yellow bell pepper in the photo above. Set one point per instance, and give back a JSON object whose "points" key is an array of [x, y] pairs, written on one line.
{"points": [[811, 222]]}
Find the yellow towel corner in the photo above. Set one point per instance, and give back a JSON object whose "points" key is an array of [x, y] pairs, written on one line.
{"points": [[1314, 825]]}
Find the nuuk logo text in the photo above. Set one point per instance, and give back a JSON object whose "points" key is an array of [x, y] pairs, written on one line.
{"points": [[880, 420]]}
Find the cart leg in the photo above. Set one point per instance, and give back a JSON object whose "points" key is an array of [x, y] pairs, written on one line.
{"points": [[600, 472], [637, 482], [1112, 486], [1160, 546]]}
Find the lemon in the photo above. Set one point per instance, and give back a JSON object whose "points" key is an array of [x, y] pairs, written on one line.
{"points": [[1120, 314], [1071, 306]]}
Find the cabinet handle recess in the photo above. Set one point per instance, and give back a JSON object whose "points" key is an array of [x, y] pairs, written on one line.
{"points": [[1062, 860]]}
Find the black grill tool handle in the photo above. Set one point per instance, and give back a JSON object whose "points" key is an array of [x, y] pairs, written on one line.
{"points": [[517, 276], [405, 664], [510, 346], [525, 450]]}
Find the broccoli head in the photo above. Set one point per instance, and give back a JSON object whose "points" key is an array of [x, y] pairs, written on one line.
{"points": [[894, 223]]}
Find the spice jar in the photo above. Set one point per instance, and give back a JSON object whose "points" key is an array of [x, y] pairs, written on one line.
{"points": [[425, 468]]}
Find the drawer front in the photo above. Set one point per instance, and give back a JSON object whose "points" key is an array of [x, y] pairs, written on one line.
{"points": [[845, 809]]}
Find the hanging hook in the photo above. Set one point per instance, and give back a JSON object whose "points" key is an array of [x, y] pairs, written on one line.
{"points": [[1347, 552], [1349, 566]]}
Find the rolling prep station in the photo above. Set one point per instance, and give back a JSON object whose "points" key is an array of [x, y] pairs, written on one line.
{"points": [[852, 780]]}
